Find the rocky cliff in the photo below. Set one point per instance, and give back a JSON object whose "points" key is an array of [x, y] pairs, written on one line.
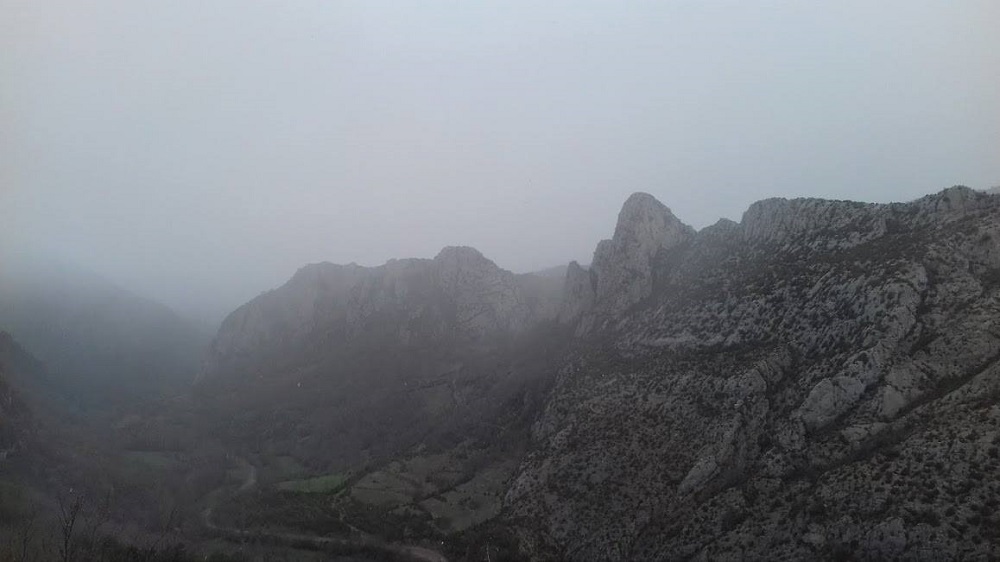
{"points": [[622, 271], [368, 361], [459, 296], [818, 380]]}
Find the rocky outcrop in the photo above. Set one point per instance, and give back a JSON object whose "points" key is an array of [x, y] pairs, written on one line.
{"points": [[623, 266], [621, 274], [952, 202], [579, 292], [781, 220], [487, 299]]}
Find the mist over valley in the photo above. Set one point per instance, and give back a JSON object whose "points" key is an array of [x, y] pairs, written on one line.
{"points": [[427, 282]]}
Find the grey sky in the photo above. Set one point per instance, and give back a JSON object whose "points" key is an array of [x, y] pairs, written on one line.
{"points": [[200, 151]]}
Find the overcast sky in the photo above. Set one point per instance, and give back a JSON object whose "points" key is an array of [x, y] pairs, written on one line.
{"points": [[199, 152]]}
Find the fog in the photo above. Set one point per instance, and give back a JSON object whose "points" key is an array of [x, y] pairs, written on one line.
{"points": [[200, 152]]}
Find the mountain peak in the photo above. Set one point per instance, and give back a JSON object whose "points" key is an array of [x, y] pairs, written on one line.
{"points": [[460, 253], [642, 208], [642, 199], [955, 200], [622, 271], [623, 265]]}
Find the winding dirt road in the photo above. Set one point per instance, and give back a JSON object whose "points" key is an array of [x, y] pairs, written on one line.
{"points": [[413, 552]]}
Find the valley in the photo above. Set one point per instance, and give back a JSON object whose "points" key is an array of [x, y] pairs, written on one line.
{"points": [[818, 381]]}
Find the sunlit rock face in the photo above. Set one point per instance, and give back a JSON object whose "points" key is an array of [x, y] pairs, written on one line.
{"points": [[818, 380]]}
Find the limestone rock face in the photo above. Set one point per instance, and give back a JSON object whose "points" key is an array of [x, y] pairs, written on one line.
{"points": [[957, 200], [459, 294], [828, 399], [811, 383], [622, 270], [781, 221], [579, 293], [488, 299]]}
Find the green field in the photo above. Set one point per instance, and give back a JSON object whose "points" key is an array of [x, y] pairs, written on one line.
{"points": [[318, 485], [285, 468]]}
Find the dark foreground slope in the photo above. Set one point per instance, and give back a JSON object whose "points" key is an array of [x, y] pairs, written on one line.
{"points": [[820, 380], [18, 431], [15, 419]]}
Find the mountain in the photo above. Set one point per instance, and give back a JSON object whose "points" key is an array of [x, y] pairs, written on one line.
{"points": [[100, 342], [345, 363], [820, 380], [817, 381], [459, 296], [19, 436]]}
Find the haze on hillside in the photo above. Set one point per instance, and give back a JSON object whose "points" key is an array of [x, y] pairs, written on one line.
{"points": [[199, 153]]}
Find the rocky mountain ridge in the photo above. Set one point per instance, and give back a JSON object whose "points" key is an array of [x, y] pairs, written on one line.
{"points": [[779, 369], [458, 295], [819, 380]]}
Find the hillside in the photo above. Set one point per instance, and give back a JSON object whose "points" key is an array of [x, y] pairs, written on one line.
{"points": [[819, 380], [15, 419], [346, 364], [103, 344]]}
